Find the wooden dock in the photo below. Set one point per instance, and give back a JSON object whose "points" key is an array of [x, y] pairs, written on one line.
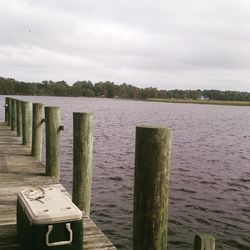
{"points": [[20, 167], [18, 170]]}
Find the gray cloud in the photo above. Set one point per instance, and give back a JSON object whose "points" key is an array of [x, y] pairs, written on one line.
{"points": [[166, 44]]}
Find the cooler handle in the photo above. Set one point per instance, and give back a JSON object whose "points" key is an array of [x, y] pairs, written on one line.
{"points": [[59, 243]]}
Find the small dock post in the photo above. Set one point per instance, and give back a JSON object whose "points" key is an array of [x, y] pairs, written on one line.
{"points": [[6, 108], [9, 112], [19, 118], [204, 242], [10, 104], [82, 160], [151, 188], [13, 115], [26, 122], [52, 128], [37, 129]]}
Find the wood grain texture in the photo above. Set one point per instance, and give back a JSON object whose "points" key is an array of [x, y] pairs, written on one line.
{"points": [[152, 167], [19, 170], [19, 118], [52, 124], [204, 242], [37, 130], [9, 111], [82, 160], [26, 122], [13, 115]]}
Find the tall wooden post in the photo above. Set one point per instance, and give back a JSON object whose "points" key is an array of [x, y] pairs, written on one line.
{"points": [[6, 110], [152, 167], [52, 125], [19, 118], [204, 242], [13, 115], [9, 112], [27, 122], [37, 129], [82, 160]]}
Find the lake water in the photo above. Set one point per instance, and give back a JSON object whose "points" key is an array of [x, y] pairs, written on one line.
{"points": [[210, 167]]}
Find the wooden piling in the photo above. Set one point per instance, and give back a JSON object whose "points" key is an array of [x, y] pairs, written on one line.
{"points": [[52, 128], [13, 115], [9, 121], [19, 118], [82, 160], [26, 122], [9, 112], [151, 188], [204, 242], [6, 108], [37, 129]]}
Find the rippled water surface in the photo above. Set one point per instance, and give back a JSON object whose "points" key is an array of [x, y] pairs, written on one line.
{"points": [[210, 167]]}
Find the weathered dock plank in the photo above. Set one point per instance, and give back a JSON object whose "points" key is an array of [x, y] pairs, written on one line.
{"points": [[18, 170]]}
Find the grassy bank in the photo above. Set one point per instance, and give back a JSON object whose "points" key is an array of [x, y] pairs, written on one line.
{"points": [[208, 102]]}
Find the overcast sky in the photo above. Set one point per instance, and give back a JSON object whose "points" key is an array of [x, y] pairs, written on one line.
{"points": [[184, 44]]}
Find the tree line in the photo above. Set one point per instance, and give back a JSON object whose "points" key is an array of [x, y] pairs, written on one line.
{"points": [[9, 86]]}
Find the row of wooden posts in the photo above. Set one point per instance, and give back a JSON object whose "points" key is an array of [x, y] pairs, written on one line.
{"points": [[152, 167], [27, 120]]}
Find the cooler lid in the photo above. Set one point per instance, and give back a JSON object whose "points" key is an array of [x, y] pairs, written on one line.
{"points": [[48, 205]]}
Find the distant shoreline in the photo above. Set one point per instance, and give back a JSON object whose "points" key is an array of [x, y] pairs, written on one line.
{"points": [[207, 102], [181, 101]]}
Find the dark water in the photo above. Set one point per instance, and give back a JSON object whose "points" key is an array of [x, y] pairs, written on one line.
{"points": [[210, 168]]}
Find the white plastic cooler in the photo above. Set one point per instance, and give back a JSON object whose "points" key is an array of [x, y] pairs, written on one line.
{"points": [[47, 219]]}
